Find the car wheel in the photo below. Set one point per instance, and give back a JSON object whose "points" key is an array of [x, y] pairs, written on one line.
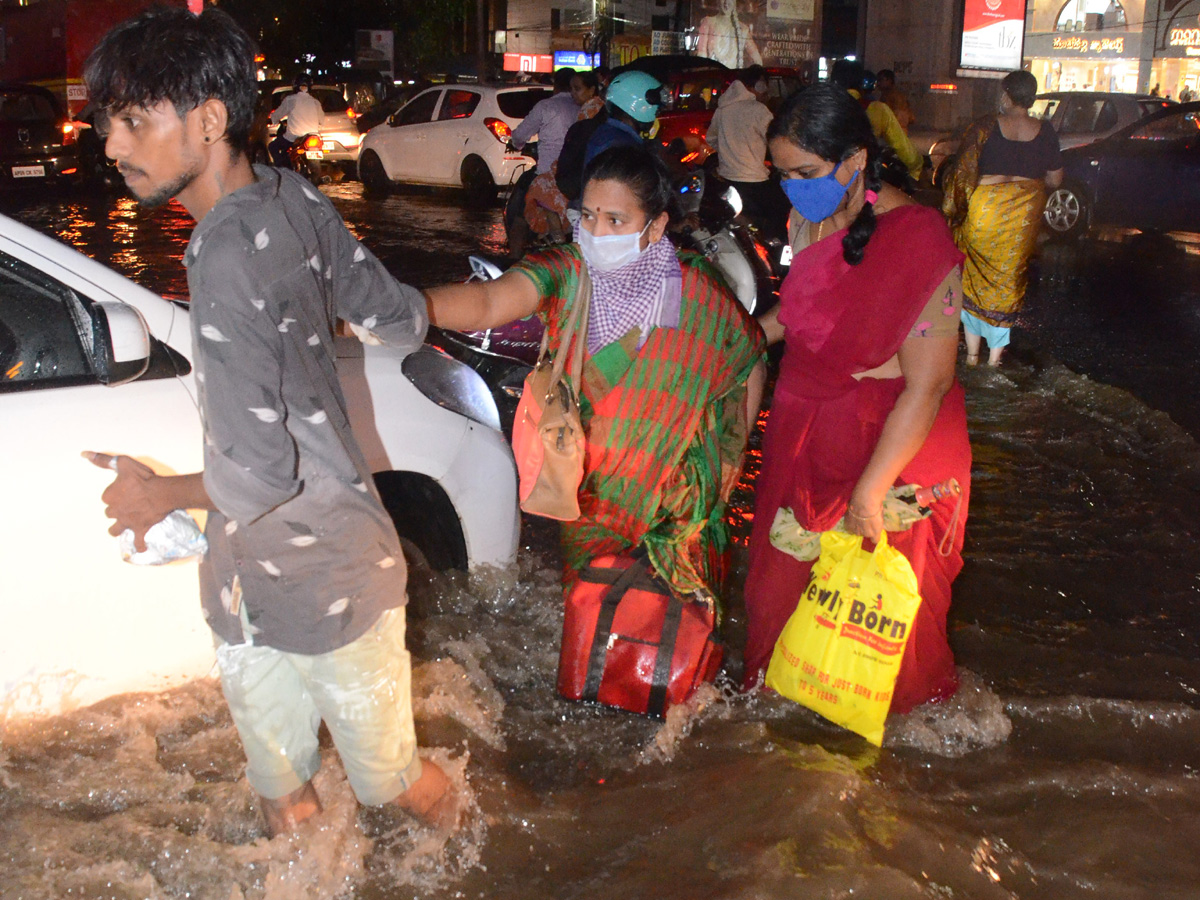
{"points": [[425, 516], [1067, 212], [373, 176], [477, 182]]}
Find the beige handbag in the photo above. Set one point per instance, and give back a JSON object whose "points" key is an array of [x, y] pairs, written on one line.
{"points": [[548, 440]]}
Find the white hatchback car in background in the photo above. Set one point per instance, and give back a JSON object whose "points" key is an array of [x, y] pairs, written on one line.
{"points": [[340, 137], [91, 361], [454, 135]]}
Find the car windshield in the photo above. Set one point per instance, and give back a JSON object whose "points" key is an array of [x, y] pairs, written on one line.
{"points": [[1044, 107], [697, 92], [1169, 128], [517, 104], [25, 106]]}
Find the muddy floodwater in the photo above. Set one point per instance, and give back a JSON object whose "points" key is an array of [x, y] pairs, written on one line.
{"points": [[1067, 766]]}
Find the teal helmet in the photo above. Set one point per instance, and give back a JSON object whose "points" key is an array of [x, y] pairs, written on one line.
{"points": [[636, 94]]}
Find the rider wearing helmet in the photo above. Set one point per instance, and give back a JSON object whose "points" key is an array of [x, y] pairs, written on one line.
{"points": [[633, 100], [304, 117], [851, 75]]}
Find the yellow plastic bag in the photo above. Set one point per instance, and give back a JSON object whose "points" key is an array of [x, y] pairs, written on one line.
{"points": [[840, 651]]}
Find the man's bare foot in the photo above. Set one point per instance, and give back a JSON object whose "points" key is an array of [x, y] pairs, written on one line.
{"points": [[285, 813], [996, 357], [972, 359], [431, 798]]}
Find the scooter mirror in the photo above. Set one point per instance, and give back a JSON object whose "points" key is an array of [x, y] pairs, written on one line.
{"points": [[483, 270], [734, 199]]}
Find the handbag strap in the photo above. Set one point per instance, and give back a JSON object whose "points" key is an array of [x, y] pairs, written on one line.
{"points": [[604, 623], [657, 704], [637, 575], [577, 325]]}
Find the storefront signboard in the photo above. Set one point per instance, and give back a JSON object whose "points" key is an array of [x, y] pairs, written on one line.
{"points": [[1183, 42], [580, 60], [1083, 46], [528, 62], [992, 36]]}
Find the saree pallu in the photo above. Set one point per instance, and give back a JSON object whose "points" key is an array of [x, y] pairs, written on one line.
{"points": [[824, 426], [998, 237], [665, 425]]}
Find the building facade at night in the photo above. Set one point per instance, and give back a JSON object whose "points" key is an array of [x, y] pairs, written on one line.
{"points": [[1105, 45], [775, 32]]}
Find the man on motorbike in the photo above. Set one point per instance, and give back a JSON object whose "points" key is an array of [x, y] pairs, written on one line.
{"points": [[304, 117], [854, 78], [549, 121], [633, 100]]}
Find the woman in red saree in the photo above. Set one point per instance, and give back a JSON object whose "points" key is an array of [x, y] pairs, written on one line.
{"points": [[866, 397]]}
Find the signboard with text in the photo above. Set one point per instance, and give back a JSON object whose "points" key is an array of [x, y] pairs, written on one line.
{"points": [[580, 60], [374, 50], [992, 36], [540, 63], [783, 33]]}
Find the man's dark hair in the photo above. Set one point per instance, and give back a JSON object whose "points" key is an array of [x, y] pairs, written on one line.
{"points": [[885, 73], [167, 53], [847, 73], [752, 75], [1021, 87], [562, 79]]}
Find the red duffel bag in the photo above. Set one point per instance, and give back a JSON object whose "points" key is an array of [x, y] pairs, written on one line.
{"points": [[629, 642]]}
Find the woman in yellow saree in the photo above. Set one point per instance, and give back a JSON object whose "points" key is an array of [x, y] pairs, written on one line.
{"points": [[994, 201]]}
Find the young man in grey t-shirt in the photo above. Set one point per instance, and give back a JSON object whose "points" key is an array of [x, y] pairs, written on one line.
{"points": [[304, 581]]}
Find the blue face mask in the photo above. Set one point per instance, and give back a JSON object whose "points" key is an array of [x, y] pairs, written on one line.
{"points": [[816, 198]]}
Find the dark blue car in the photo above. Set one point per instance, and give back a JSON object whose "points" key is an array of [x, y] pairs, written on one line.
{"points": [[1146, 176]]}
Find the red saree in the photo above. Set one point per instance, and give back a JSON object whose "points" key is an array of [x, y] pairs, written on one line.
{"points": [[824, 425]]}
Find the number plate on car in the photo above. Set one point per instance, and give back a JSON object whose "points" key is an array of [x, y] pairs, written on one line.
{"points": [[29, 171], [314, 154]]}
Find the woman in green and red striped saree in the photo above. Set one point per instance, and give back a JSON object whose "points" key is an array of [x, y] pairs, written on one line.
{"points": [[673, 373]]}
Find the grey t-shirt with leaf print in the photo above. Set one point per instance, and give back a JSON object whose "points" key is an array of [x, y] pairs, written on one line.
{"points": [[300, 538]]}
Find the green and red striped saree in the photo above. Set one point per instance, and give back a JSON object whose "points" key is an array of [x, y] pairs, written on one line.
{"points": [[666, 426]]}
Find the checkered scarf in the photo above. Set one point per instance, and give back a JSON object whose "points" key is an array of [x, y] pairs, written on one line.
{"points": [[634, 295]]}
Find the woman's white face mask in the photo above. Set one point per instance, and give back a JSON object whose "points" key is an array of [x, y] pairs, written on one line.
{"points": [[613, 251]]}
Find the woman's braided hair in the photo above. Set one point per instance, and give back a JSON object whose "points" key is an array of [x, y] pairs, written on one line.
{"points": [[826, 121]]}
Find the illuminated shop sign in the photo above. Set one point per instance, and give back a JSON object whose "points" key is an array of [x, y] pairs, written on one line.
{"points": [[1183, 37], [528, 62], [1080, 44], [993, 34], [575, 59]]}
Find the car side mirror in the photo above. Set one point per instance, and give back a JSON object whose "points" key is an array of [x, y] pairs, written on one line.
{"points": [[120, 343]]}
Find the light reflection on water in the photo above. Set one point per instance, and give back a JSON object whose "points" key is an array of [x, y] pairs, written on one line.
{"points": [[1064, 768]]}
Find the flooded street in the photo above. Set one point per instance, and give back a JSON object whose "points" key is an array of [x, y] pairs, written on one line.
{"points": [[1066, 767]]}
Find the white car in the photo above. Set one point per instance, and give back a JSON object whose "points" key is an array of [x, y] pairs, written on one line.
{"points": [[453, 135], [91, 361], [340, 137]]}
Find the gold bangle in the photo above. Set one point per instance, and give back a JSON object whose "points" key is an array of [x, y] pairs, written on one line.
{"points": [[855, 515]]}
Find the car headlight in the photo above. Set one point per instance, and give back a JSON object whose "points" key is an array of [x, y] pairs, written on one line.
{"points": [[452, 385]]}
